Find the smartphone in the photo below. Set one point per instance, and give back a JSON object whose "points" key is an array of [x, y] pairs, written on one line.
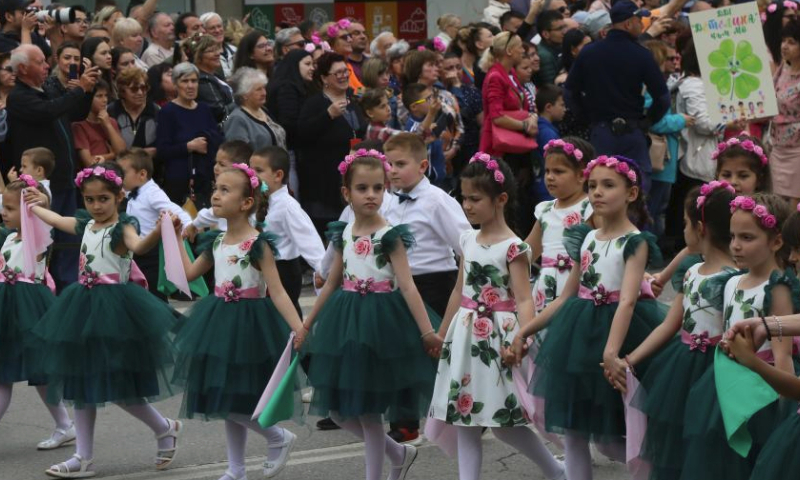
{"points": [[73, 72]]}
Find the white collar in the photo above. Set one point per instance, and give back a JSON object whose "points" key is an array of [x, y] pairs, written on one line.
{"points": [[283, 191], [415, 192]]}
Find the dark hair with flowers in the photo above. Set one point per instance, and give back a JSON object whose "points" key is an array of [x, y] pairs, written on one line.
{"points": [[107, 172], [750, 148], [24, 181], [575, 150], [362, 158], [774, 207], [494, 177], [252, 187], [709, 205], [632, 174]]}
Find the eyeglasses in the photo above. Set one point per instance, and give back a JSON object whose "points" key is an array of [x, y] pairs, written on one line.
{"points": [[299, 43], [673, 58], [341, 73], [423, 100], [138, 88], [263, 46], [82, 21], [346, 36], [7, 70]]}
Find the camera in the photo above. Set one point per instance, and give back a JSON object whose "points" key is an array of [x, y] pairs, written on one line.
{"points": [[59, 15]]}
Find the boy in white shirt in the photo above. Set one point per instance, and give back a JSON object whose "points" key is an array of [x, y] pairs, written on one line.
{"points": [[297, 235], [38, 163], [146, 201]]}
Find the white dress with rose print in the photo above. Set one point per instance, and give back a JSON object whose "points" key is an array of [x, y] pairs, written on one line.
{"points": [[556, 264], [473, 386]]}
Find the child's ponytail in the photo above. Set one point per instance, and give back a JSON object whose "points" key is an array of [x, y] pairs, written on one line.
{"points": [[262, 206]]}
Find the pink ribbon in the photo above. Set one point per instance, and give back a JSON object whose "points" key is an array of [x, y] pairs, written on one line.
{"points": [[365, 286], [277, 375], [233, 294], [90, 279], [646, 290], [485, 310], [562, 262], [599, 296], [635, 430], [699, 341], [532, 406], [769, 357], [36, 235], [173, 265]]}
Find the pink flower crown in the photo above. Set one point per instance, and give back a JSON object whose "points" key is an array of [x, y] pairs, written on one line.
{"points": [[317, 42], [786, 4], [334, 29], [28, 180], [491, 165], [100, 172], [251, 174], [747, 145], [568, 148], [709, 188], [768, 220], [344, 165], [619, 166]]}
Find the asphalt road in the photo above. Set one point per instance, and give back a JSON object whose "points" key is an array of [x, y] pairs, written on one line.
{"points": [[125, 448]]}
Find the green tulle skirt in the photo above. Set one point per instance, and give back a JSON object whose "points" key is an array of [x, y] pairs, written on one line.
{"points": [[708, 456], [780, 457], [227, 352], [665, 389], [110, 343], [21, 306], [367, 358], [578, 398]]}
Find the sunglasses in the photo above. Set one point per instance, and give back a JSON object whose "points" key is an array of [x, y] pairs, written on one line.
{"points": [[299, 43], [138, 88], [346, 36], [7, 70], [423, 100]]}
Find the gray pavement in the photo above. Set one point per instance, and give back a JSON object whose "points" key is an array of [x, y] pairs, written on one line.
{"points": [[125, 448]]}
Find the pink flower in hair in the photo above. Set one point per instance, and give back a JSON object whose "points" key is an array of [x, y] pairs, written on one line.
{"points": [[332, 31], [421, 48], [760, 211], [747, 203], [492, 165], [343, 167], [110, 175], [438, 44], [578, 155], [310, 47], [344, 23], [769, 221], [569, 148], [99, 170], [772, 7], [499, 177], [701, 200], [632, 176], [623, 168], [612, 162]]}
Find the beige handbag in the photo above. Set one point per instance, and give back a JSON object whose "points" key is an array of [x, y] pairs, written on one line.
{"points": [[658, 151]]}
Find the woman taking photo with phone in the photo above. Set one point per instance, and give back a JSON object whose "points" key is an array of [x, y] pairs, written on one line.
{"points": [[67, 71]]}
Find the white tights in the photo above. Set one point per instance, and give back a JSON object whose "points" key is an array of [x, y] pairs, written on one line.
{"points": [[58, 412], [470, 451], [377, 445], [236, 427], [579, 457]]}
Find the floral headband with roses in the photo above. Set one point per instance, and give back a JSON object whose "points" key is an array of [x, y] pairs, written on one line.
{"points": [[761, 212], [334, 29], [438, 45], [100, 172], [617, 164], [344, 165], [568, 148], [709, 188], [491, 165], [251, 175], [28, 180], [747, 145], [317, 42]]}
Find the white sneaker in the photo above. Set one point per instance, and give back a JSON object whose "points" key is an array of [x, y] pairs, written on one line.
{"points": [[59, 438], [274, 467], [563, 475], [308, 395], [408, 460]]}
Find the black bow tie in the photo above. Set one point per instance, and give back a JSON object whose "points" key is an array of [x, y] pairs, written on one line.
{"points": [[134, 193], [404, 196]]}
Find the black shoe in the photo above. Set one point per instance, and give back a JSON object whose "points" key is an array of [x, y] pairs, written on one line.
{"points": [[327, 424]]}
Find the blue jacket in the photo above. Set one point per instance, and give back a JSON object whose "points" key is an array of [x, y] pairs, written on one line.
{"points": [[547, 132], [605, 81], [670, 126]]}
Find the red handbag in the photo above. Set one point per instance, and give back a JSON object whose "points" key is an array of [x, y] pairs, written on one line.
{"points": [[512, 141]]}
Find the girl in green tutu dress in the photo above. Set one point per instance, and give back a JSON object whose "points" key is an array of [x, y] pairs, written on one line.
{"points": [[231, 341], [598, 319], [23, 301], [760, 290], [474, 385], [105, 338], [371, 336], [685, 358]]}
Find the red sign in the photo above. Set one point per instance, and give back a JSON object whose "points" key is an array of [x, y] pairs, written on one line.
{"points": [[291, 13], [412, 21], [354, 10]]}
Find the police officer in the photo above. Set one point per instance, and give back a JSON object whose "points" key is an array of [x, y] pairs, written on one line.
{"points": [[606, 84]]}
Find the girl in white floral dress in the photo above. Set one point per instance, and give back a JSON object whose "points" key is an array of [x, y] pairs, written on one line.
{"points": [[599, 318], [762, 290], [106, 339], [371, 329], [231, 341], [474, 386]]}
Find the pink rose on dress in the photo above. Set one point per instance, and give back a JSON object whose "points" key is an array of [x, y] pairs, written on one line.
{"points": [[466, 379], [572, 219], [509, 324], [230, 291], [540, 300], [513, 252], [81, 263], [586, 260], [464, 404], [489, 296], [482, 328], [247, 245], [363, 246]]}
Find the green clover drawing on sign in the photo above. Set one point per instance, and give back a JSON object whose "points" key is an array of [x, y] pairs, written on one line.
{"points": [[734, 66]]}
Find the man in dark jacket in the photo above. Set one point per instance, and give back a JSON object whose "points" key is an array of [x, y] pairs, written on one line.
{"points": [[36, 120], [605, 85]]}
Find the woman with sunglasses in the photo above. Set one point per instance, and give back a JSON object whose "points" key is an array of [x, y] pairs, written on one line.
{"points": [[135, 116], [255, 51], [341, 41]]}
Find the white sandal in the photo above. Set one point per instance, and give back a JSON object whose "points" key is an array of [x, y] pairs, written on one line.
{"points": [[62, 470], [165, 456], [408, 460], [65, 437], [274, 467], [229, 474]]}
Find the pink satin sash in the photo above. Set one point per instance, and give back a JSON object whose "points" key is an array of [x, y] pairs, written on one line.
{"points": [[90, 279], [230, 293], [599, 296], [561, 263], [365, 286], [48, 280], [483, 309], [699, 341], [769, 357]]}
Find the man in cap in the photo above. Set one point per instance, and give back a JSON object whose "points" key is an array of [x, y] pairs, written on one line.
{"points": [[605, 85], [19, 26]]}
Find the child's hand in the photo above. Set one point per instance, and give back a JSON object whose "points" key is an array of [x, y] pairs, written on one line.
{"points": [[190, 233], [742, 348], [656, 283], [33, 197], [757, 331], [319, 282], [615, 371], [299, 337], [436, 105], [432, 343], [13, 176], [519, 348], [508, 356]]}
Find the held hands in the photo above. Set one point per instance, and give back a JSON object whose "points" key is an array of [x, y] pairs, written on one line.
{"points": [[756, 329], [190, 233], [432, 343], [615, 371], [742, 347], [519, 348], [690, 120], [299, 337], [655, 283], [35, 197]]}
